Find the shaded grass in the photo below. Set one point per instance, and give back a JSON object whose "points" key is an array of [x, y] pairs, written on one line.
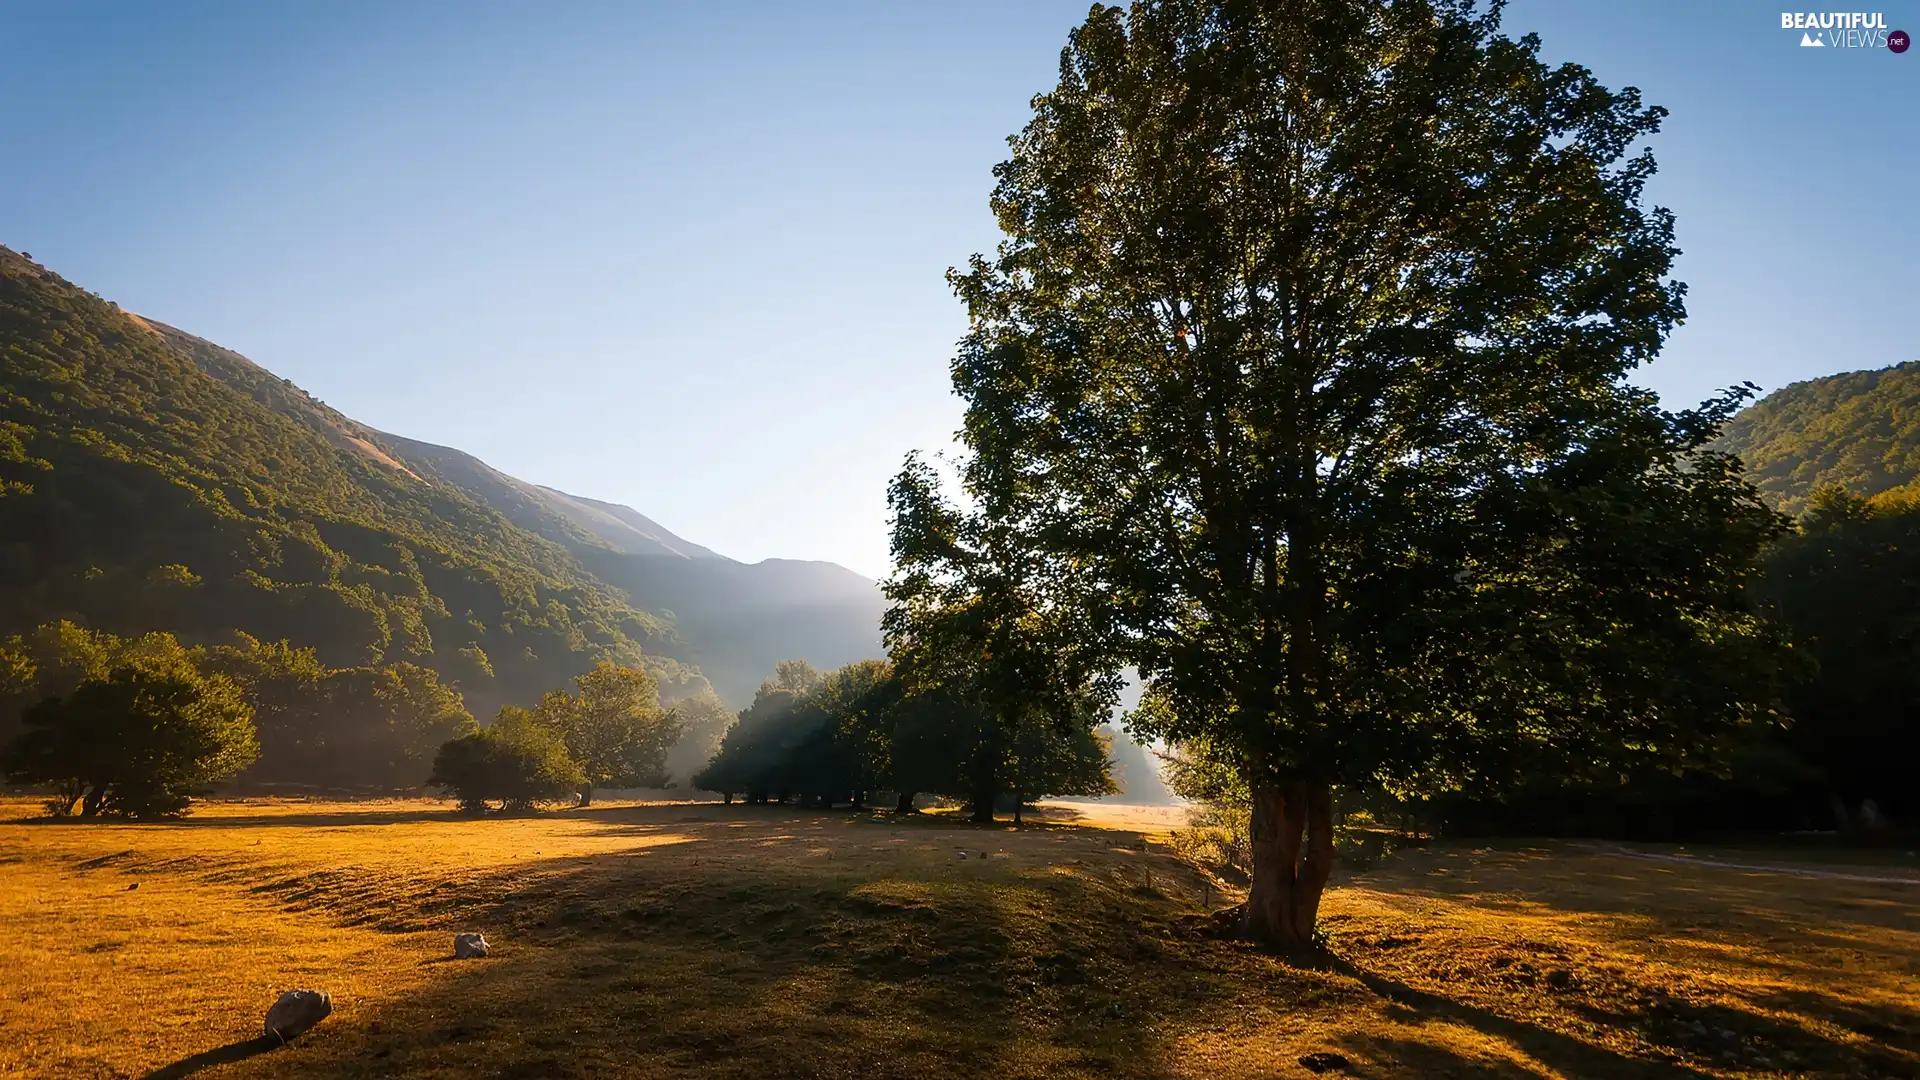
{"points": [[708, 941]]}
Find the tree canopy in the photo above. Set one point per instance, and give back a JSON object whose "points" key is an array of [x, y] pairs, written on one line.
{"points": [[137, 741], [613, 727], [1303, 364]]}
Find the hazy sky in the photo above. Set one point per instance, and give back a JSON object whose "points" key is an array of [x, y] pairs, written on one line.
{"points": [[690, 257]]}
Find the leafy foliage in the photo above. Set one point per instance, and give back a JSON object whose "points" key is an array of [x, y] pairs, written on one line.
{"points": [[702, 721], [137, 742], [341, 729], [755, 753], [1017, 675], [1859, 430], [614, 728], [1303, 365], [1847, 585], [517, 762]]}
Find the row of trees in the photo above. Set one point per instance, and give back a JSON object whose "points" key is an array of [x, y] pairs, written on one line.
{"points": [[609, 731], [133, 727], [874, 726]]}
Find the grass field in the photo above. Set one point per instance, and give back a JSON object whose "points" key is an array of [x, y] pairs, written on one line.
{"points": [[765, 942]]}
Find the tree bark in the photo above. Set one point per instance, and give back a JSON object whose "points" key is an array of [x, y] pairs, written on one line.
{"points": [[983, 807], [904, 804], [586, 796], [1317, 861], [1292, 835]]}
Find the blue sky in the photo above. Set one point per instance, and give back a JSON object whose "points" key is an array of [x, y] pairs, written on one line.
{"points": [[689, 257]]}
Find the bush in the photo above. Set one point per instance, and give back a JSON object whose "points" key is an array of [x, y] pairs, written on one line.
{"points": [[516, 762], [138, 742]]}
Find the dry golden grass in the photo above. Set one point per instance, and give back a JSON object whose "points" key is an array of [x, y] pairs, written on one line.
{"points": [[708, 941]]}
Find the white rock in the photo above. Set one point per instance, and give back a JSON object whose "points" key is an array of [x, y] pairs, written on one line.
{"points": [[297, 1011], [469, 946]]}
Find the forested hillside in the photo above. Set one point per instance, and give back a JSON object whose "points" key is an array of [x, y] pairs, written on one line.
{"points": [[137, 493], [1859, 429], [158, 481]]}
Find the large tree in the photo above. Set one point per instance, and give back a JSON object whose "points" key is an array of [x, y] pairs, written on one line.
{"points": [[1304, 362]]}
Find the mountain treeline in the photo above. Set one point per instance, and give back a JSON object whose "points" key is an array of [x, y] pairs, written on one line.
{"points": [[1859, 430]]}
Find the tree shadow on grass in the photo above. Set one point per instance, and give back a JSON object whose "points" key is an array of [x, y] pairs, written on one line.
{"points": [[223, 1055], [794, 969], [1565, 1054]]}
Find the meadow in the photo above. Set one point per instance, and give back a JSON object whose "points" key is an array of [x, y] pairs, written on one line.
{"points": [[693, 939]]}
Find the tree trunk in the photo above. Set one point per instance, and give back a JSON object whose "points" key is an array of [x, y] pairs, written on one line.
{"points": [[1017, 800], [1316, 862], [983, 807], [1283, 898], [859, 799], [586, 796], [95, 797], [904, 804]]}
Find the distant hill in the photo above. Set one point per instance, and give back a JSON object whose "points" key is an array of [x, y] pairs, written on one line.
{"points": [[1860, 429], [733, 619], [150, 479]]}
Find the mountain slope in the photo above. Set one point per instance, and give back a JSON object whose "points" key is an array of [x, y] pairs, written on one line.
{"points": [[149, 480], [741, 618], [135, 456], [734, 619], [566, 519], [1859, 429]]}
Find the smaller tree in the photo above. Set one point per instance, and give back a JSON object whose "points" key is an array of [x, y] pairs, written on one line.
{"points": [[703, 721], [136, 743], [518, 762], [754, 753], [613, 727]]}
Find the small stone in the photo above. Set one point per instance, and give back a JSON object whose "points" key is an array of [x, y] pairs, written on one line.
{"points": [[1324, 1061], [1560, 978], [469, 946], [133, 886], [296, 1012]]}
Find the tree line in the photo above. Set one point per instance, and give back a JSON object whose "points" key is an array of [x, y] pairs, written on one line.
{"points": [[871, 727], [134, 727]]}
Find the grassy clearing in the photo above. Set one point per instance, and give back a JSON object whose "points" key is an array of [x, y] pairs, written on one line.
{"points": [[708, 941]]}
